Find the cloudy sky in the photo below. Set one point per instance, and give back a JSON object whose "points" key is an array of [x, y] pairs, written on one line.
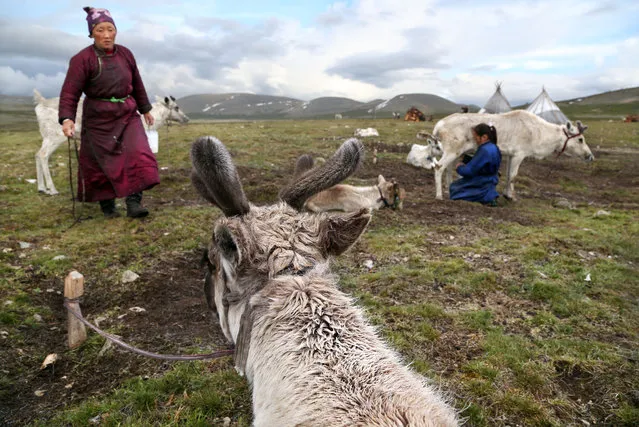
{"points": [[360, 49]]}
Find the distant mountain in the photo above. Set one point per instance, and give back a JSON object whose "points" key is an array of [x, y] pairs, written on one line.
{"points": [[229, 105], [237, 105], [622, 96], [426, 103]]}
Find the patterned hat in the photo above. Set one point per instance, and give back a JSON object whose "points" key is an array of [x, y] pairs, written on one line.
{"points": [[96, 16]]}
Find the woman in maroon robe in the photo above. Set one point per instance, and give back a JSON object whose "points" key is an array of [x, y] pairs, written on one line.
{"points": [[115, 157]]}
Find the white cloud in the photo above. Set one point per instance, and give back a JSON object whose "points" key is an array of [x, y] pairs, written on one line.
{"points": [[364, 49]]}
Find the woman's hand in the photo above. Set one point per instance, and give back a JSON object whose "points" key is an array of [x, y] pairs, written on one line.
{"points": [[68, 128], [149, 119]]}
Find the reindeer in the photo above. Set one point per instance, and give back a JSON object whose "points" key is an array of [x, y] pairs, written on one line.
{"points": [[520, 133], [164, 110], [308, 353], [349, 198], [425, 156]]}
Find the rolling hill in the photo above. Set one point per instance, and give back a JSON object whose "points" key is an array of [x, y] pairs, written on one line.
{"points": [[243, 105], [611, 105]]}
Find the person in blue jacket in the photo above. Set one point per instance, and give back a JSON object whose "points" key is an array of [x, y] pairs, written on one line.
{"points": [[480, 175]]}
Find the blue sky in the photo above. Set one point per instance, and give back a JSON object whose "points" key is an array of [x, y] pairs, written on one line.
{"points": [[360, 49]]}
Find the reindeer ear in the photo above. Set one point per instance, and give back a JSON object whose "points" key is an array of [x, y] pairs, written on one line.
{"points": [[226, 245], [568, 125], [380, 180], [166, 100], [340, 232], [173, 99], [215, 176]]}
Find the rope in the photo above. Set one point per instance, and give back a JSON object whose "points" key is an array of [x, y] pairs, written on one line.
{"points": [[113, 338], [78, 218]]}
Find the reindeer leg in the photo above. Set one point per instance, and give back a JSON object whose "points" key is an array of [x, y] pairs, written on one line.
{"points": [[444, 163], [508, 167], [515, 162], [48, 148], [39, 173]]}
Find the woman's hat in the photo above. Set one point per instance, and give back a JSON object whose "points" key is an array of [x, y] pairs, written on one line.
{"points": [[96, 16]]}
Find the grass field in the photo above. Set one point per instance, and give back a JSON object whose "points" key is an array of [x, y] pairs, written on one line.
{"points": [[491, 304]]}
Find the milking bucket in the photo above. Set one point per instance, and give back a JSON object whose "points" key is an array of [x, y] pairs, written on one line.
{"points": [[154, 141]]}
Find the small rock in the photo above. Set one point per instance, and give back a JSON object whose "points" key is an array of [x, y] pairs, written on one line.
{"points": [[96, 419], [8, 302], [31, 181], [368, 264], [562, 203], [59, 257], [37, 317], [39, 393], [25, 245], [587, 279], [602, 213], [7, 250], [226, 421], [129, 276], [137, 309], [49, 360], [4, 334]]}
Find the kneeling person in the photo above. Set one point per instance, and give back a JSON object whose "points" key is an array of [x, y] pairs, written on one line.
{"points": [[479, 177]]}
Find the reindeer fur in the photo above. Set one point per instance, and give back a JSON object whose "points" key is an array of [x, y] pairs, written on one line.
{"points": [[307, 350]]}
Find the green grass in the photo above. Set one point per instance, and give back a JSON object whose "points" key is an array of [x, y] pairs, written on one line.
{"points": [[501, 315]]}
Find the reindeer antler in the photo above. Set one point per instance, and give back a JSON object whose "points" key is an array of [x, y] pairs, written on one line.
{"points": [[582, 128], [215, 177], [340, 166]]}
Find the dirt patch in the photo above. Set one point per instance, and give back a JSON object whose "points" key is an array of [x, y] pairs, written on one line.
{"points": [[175, 318]]}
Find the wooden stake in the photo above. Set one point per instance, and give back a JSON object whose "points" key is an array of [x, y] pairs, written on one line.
{"points": [[74, 289]]}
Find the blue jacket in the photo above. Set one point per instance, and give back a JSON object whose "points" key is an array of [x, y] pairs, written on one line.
{"points": [[479, 177]]}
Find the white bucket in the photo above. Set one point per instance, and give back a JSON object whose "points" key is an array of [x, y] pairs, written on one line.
{"points": [[154, 141]]}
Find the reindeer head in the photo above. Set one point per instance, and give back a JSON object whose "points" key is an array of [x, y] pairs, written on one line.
{"points": [[391, 193], [575, 144], [432, 152], [252, 245], [173, 114]]}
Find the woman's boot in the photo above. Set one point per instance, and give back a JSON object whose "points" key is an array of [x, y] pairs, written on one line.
{"points": [[134, 208], [108, 208]]}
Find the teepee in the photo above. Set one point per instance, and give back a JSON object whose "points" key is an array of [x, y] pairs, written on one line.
{"points": [[497, 103], [545, 108]]}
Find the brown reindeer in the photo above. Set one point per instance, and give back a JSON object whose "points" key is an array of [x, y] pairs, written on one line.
{"points": [[308, 352], [350, 198]]}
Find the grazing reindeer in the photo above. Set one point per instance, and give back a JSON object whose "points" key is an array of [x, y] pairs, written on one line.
{"points": [[164, 110], [348, 198], [309, 354]]}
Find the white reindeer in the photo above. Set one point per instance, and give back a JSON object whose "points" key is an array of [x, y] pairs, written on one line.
{"points": [[366, 132], [520, 134], [164, 110], [425, 156], [309, 354], [349, 198]]}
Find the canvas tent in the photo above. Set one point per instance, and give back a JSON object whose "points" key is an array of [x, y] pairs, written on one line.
{"points": [[545, 108], [497, 103]]}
